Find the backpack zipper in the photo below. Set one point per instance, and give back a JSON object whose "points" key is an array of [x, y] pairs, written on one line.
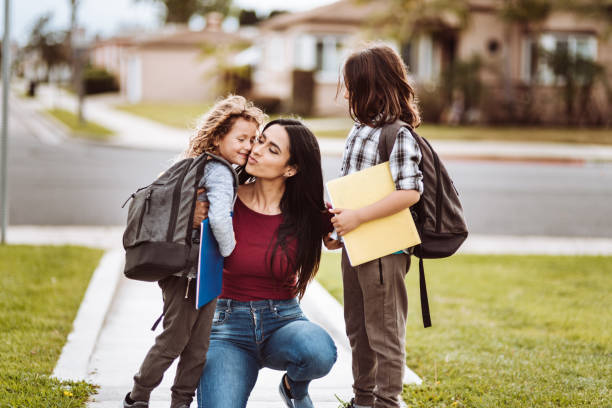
{"points": [[199, 175], [438, 193], [146, 209], [380, 270], [176, 196], [438, 186]]}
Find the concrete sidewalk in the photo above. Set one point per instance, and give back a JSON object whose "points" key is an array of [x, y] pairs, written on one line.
{"points": [[111, 332], [137, 132]]}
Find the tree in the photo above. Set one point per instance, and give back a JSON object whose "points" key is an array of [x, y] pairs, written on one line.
{"points": [[403, 19], [180, 11], [248, 18], [50, 46]]}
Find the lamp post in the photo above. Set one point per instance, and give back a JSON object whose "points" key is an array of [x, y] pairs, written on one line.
{"points": [[6, 56]]}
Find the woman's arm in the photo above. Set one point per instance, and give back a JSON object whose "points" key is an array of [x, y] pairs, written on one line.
{"points": [[347, 220]]}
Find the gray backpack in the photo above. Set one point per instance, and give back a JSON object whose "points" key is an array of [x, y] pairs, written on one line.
{"points": [[158, 236]]}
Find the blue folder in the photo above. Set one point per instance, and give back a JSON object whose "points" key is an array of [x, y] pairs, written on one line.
{"points": [[210, 267]]}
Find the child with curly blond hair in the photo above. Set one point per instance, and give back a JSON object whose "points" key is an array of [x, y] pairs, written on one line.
{"points": [[226, 131]]}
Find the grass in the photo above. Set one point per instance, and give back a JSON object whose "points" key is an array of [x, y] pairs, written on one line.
{"points": [[89, 130], [180, 115], [40, 292], [506, 133], [184, 115], [508, 331]]}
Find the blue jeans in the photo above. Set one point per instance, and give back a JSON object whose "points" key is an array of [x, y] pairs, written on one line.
{"points": [[247, 336]]}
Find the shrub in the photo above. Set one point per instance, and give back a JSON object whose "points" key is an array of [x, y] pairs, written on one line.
{"points": [[302, 92], [237, 80], [269, 104], [98, 80], [431, 103]]}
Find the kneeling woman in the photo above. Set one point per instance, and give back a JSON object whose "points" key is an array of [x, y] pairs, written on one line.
{"points": [[279, 221]]}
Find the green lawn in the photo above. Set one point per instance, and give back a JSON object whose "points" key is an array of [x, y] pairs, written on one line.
{"points": [[180, 115], [89, 130], [40, 292], [184, 115], [508, 331], [509, 133]]}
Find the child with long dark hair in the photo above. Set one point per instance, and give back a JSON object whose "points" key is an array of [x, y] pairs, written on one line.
{"points": [[375, 300]]}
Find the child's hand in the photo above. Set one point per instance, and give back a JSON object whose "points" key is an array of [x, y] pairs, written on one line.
{"points": [[345, 220], [331, 243]]}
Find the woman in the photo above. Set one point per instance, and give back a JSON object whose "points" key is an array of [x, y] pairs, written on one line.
{"points": [[279, 221]]}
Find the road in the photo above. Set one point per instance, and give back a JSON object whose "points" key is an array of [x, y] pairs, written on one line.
{"points": [[76, 183]]}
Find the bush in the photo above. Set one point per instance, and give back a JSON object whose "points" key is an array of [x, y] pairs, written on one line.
{"points": [[269, 104], [98, 80], [302, 92], [431, 104], [237, 80]]}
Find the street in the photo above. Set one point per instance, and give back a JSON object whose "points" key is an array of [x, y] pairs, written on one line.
{"points": [[79, 183]]}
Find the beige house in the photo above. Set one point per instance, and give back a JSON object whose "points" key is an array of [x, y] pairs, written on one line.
{"points": [[170, 65], [318, 40], [321, 38]]}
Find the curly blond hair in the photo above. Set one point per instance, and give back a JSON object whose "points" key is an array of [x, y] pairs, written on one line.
{"points": [[215, 124]]}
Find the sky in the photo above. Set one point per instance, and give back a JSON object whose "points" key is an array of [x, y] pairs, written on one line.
{"points": [[108, 16]]}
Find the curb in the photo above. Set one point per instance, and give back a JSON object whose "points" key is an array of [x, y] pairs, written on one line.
{"points": [[74, 360]]}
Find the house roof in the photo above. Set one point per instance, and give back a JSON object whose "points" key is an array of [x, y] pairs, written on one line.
{"points": [[352, 12], [173, 36], [186, 37], [340, 12]]}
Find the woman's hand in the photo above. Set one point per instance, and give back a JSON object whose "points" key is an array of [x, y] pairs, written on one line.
{"points": [[331, 243], [345, 220], [201, 211]]}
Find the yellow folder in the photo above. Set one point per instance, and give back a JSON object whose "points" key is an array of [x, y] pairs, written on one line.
{"points": [[376, 238]]}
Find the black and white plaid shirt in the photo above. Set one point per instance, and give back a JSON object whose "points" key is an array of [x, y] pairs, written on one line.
{"points": [[361, 152]]}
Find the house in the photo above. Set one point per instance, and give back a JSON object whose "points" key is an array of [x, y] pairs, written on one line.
{"points": [[512, 57], [316, 40], [171, 65]]}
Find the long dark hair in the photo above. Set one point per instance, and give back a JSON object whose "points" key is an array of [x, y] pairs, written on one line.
{"points": [[302, 206], [378, 87]]}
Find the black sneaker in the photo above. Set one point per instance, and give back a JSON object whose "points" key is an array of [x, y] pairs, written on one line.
{"points": [[130, 403], [291, 402]]}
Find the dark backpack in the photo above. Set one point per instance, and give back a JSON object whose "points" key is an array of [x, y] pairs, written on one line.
{"points": [[158, 235], [438, 215]]}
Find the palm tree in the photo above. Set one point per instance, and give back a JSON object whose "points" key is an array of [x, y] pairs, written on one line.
{"points": [[50, 46], [180, 11]]}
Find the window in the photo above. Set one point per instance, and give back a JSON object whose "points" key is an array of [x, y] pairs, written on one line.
{"points": [[534, 63], [329, 55], [275, 52]]}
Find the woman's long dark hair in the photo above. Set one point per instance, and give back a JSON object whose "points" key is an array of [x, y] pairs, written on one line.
{"points": [[302, 206], [379, 91]]}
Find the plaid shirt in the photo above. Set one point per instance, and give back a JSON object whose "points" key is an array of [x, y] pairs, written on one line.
{"points": [[361, 152]]}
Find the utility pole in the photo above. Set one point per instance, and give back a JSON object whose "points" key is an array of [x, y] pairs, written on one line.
{"points": [[78, 52], [6, 72]]}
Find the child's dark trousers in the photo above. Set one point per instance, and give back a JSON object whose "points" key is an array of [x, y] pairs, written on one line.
{"points": [[375, 309], [186, 335]]}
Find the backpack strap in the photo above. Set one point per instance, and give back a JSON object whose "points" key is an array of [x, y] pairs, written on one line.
{"points": [[387, 137], [222, 160], [424, 300]]}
